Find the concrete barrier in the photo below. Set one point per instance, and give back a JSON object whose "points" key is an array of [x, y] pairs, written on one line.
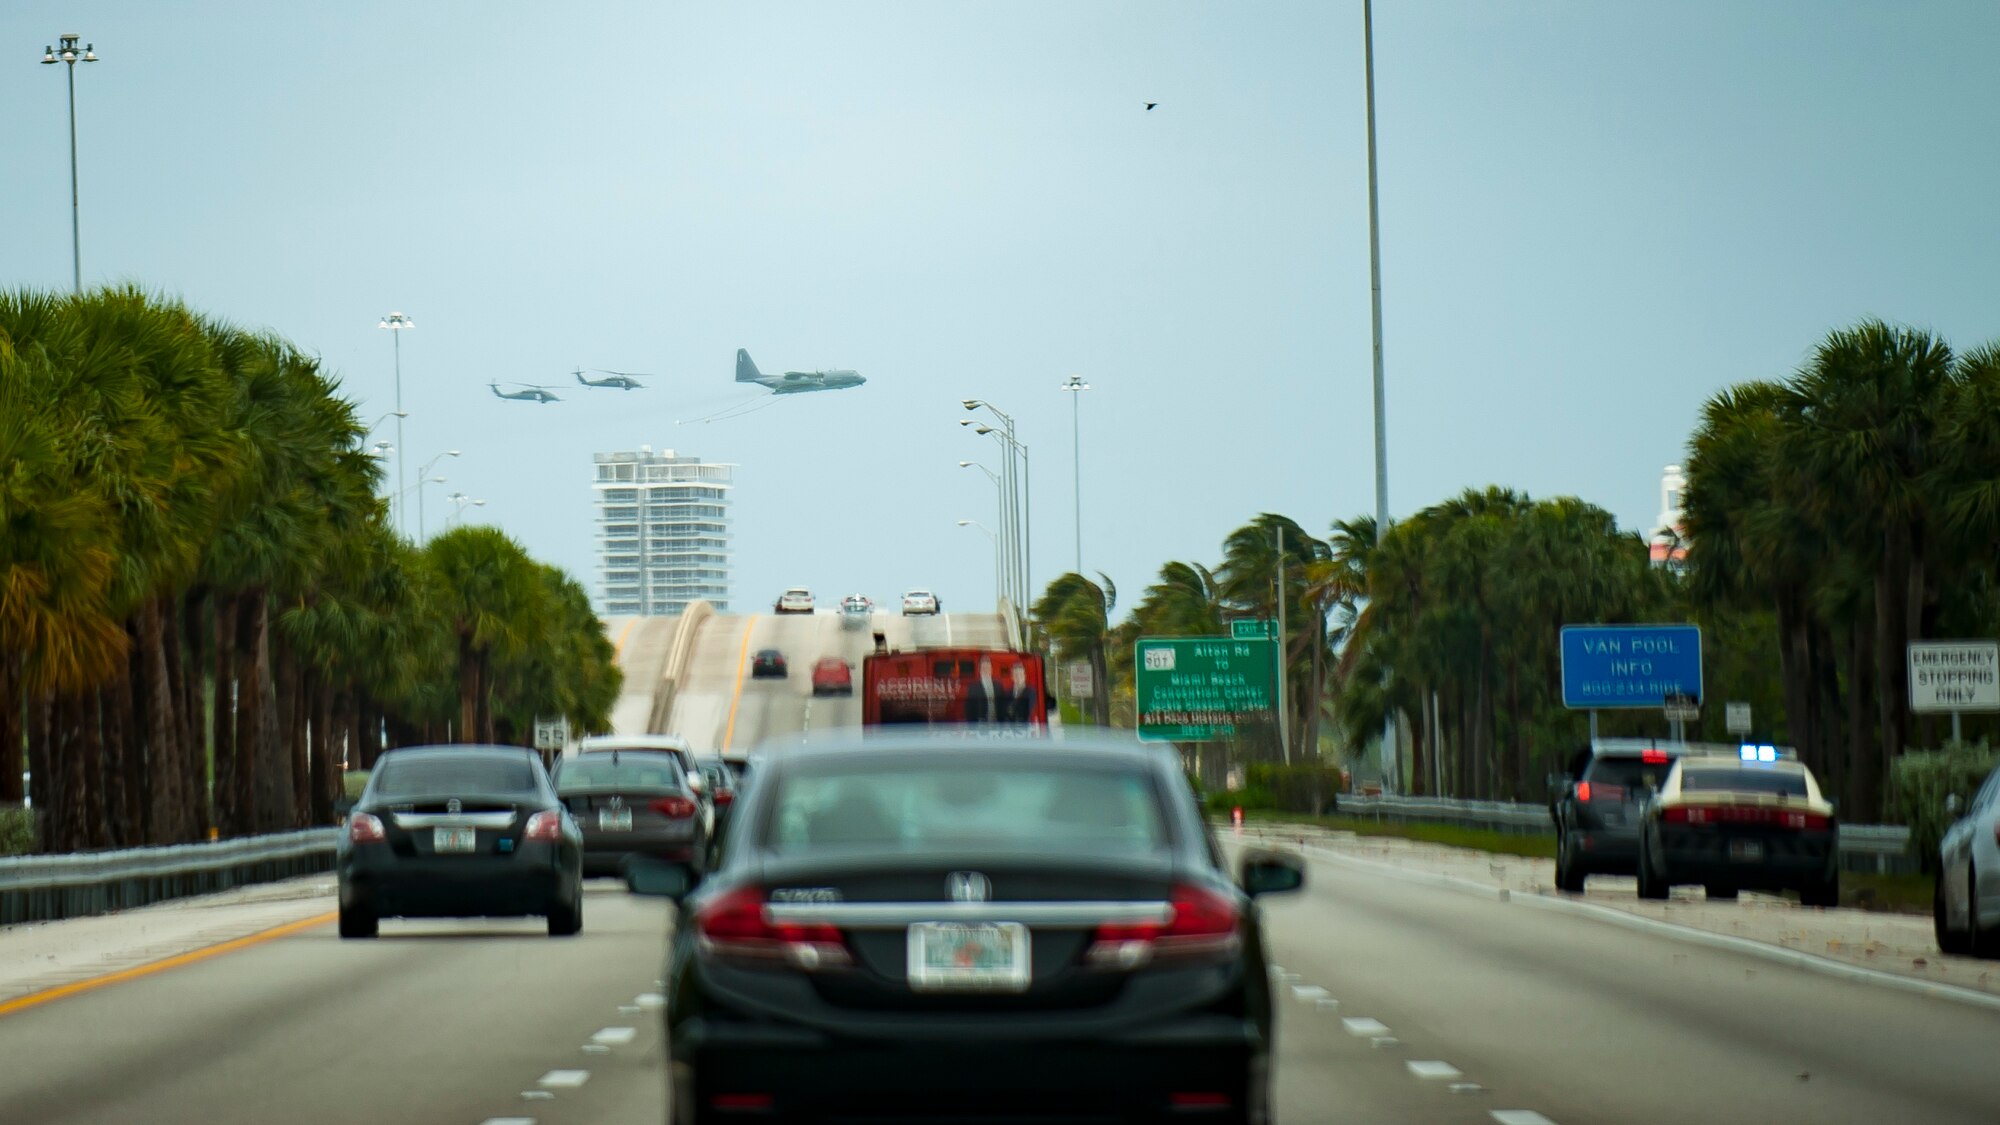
{"points": [[692, 619]]}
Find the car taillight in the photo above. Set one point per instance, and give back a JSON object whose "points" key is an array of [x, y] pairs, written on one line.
{"points": [[735, 925], [1679, 815], [1745, 814], [1603, 792], [364, 828], [725, 797], [1203, 923], [544, 825], [1583, 790], [1653, 757], [675, 808]]}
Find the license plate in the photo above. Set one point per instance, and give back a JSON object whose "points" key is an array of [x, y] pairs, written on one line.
{"points": [[454, 839], [1748, 851], [969, 956], [614, 820]]}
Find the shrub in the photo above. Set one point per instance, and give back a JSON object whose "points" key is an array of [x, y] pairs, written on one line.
{"points": [[1920, 781], [17, 831], [1296, 789]]}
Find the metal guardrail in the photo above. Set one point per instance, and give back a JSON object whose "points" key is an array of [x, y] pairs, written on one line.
{"points": [[1879, 848], [44, 888]]}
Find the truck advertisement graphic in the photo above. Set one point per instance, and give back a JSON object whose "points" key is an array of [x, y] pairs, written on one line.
{"points": [[953, 686]]}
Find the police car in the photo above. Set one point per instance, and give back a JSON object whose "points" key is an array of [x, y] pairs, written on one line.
{"points": [[1754, 820]]}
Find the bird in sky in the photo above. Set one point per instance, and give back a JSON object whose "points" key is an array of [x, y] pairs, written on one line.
{"points": [[1150, 105]]}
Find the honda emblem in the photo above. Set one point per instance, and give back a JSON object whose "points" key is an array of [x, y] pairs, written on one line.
{"points": [[968, 886]]}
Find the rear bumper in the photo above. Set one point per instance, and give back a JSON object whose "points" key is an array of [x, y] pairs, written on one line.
{"points": [[454, 886], [1608, 850], [607, 856], [1786, 863], [807, 1073]]}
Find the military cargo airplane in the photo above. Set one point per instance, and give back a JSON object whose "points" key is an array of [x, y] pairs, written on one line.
{"points": [[619, 379], [794, 382], [529, 393]]}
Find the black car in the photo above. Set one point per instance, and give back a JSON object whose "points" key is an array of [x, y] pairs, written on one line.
{"points": [[459, 831], [1596, 805], [634, 802], [720, 782], [769, 663], [941, 926]]}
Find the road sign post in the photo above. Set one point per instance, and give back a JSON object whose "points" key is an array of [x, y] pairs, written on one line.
{"points": [[1081, 683], [551, 734], [1199, 689], [1954, 676]]}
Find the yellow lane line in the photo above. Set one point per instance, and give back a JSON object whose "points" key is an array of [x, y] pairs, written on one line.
{"points": [[34, 999], [618, 649], [743, 654]]}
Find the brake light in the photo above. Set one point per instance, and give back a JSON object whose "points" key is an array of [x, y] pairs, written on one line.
{"points": [[1583, 790], [365, 828], [1197, 1099], [544, 825], [675, 808], [1203, 923], [725, 796], [1653, 757], [1603, 792], [1697, 815], [735, 925]]}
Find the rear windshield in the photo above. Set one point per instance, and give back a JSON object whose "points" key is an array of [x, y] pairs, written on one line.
{"points": [[1628, 774], [719, 775], [905, 808], [446, 775], [630, 771], [1782, 782]]}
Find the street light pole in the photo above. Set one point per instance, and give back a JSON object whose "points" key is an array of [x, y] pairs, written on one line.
{"points": [[396, 322], [1390, 759], [423, 478], [1002, 572], [68, 54], [1076, 386], [996, 553]]}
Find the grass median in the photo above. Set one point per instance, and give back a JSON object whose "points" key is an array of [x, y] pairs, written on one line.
{"points": [[1889, 894]]}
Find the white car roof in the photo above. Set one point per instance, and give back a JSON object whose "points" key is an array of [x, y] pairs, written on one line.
{"points": [[919, 592], [599, 742]]}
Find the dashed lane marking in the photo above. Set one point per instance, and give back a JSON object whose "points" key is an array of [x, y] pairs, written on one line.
{"points": [[1361, 1027], [564, 1079], [1309, 992], [1519, 1117], [1432, 1069], [650, 1000], [614, 1036]]}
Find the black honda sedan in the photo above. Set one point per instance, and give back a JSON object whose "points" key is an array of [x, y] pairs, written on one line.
{"points": [[944, 926], [459, 831]]}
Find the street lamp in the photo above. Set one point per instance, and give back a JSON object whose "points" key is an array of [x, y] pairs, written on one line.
{"points": [[996, 554], [395, 322], [382, 419], [1019, 490], [462, 500], [1003, 573], [1076, 386], [50, 57], [422, 475]]}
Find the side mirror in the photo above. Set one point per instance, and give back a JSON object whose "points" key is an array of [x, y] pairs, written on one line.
{"points": [[1953, 806], [656, 878], [1265, 873], [696, 784]]}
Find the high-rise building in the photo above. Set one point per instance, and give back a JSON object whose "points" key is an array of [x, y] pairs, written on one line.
{"points": [[1668, 546], [662, 532]]}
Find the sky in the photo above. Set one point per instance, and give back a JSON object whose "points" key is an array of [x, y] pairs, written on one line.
{"points": [[1593, 217]]}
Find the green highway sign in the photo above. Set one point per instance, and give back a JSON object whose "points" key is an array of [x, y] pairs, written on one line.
{"points": [[1252, 629], [1198, 689]]}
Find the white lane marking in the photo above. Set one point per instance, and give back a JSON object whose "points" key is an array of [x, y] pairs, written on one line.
{"points": [[566, 1079], [1519, 1117], [537, 1095], [1361, 1027], [1383, 1042], [508, 1121], [1277, 970], [1432, 1068], [628, 1009], [596, 1049], [1794, 958], [1328, 1004], [615, 1035], [650, 1000], [1467, 1088], [1309, 991]]}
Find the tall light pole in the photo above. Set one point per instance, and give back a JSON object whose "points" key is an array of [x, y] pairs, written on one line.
{"points": [[1003, 571], [423, 478], [462, 500], [1390, 760], [396, 322], [1019, 488], [50, 57], [1076, 386], [996, 553]]}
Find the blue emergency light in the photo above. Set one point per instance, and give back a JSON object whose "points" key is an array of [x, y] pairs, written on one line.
{"points": [[1751, 752]]}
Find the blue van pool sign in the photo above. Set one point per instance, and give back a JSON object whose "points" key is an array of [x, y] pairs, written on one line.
{"points": [[1607, 666]]}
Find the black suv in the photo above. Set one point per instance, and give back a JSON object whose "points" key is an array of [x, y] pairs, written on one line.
{"points": [[1596, 805]]}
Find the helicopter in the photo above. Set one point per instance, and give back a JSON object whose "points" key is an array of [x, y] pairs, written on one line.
{"points": [[529, 393], [619, 379]]}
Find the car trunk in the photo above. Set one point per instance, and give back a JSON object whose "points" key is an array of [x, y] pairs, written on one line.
{"points": [[875, 903], [477, 826]]}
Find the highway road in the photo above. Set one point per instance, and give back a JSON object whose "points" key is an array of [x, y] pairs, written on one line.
{"points": [[1407, 1003]]}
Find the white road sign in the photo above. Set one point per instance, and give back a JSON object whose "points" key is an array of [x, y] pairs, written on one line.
{"points": [[551, 734], [1954, 676], [1080, 682], [1736, 717]]}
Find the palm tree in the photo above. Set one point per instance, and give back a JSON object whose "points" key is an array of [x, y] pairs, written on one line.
{"points": [[1076, 614], [486, 581]]}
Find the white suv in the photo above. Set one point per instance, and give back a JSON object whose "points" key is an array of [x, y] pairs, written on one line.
{"points": [[798, 599], [920, 602]]}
